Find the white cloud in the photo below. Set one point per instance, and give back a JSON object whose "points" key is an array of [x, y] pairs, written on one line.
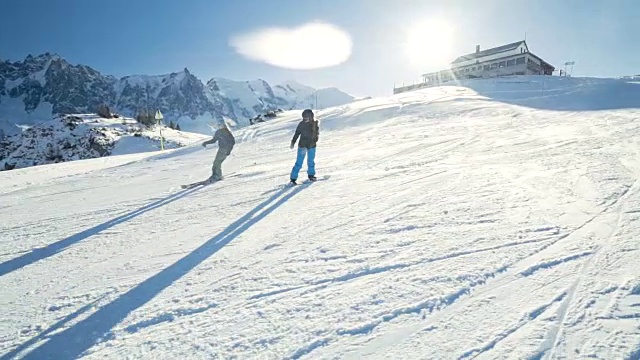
{"points": [[310, 46]]}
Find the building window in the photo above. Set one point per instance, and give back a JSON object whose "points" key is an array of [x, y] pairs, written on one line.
{"points": [[486, 67], [494, 66], [511, 62], [520, 60], [502, 64]]}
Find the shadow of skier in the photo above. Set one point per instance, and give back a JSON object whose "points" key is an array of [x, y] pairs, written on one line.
{"points": [[75, 340], [58, 246]]}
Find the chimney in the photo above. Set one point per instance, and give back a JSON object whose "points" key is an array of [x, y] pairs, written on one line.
{"points": [[477, 49]]}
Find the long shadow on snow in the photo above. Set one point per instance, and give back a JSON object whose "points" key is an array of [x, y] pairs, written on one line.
{"points": [[53, 328], [72, 342], [58, 246]]}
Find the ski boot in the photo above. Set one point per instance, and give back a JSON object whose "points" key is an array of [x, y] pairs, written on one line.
{"points": [[213, 179]]}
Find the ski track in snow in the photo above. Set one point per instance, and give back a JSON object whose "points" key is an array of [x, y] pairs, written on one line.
{"points": [[452, 225], [565, 298]]}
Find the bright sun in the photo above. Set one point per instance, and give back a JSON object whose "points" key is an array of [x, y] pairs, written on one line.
{"points": [[429, 43]]}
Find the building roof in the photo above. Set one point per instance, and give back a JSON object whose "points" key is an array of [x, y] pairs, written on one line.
{"points": [[495, 50], [542, 61]]}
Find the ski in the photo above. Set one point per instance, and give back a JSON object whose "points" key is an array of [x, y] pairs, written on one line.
{"points": [[207, 182], [195, 184]]}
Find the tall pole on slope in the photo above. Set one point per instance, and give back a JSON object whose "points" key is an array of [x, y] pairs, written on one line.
{"points": [[159, 118]]}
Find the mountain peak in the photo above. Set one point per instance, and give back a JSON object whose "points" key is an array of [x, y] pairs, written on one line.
{"points": [[42, 57], [290, 82], [294, 84]]}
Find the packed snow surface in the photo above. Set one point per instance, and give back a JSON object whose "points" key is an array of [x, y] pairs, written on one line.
{"points": [[494, 219]]}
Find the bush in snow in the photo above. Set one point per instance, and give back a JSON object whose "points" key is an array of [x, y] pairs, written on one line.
{"points": [[146, 118], [103, 111]]}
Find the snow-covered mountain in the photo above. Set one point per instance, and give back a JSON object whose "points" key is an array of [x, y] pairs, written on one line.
{"points": [[41, 87], [302, 96], [45, 86], [180, 96], [85, 136], [490, 219]]}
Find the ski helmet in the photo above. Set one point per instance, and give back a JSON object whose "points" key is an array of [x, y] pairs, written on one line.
{"points": [[307, 113]]}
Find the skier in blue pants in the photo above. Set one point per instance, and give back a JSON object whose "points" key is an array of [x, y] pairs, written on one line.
{"points": [[308, 132]]}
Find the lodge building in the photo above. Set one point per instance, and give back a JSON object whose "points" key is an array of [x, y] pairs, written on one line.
{"points": [[505, 60]]}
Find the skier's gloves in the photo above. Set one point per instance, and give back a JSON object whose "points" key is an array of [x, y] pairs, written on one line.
{"points": [[291, 146]]}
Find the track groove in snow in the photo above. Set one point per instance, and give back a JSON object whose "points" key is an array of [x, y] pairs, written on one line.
{"points": [[551, 263], [316, 285], [505, 333], [429, 305], [619, 203], [308, 348], [167, 317]]}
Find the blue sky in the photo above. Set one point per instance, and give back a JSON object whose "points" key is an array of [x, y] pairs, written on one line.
{"points": [[160, 36]]}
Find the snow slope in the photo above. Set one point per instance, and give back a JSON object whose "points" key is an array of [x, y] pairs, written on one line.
{"points": [[452, 225]]}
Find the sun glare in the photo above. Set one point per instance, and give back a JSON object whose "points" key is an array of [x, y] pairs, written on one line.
{"points": [[429, 43], [309, 46]]}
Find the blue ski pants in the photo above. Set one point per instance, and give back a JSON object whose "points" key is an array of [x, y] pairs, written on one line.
{"points": [[311, 165]]}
